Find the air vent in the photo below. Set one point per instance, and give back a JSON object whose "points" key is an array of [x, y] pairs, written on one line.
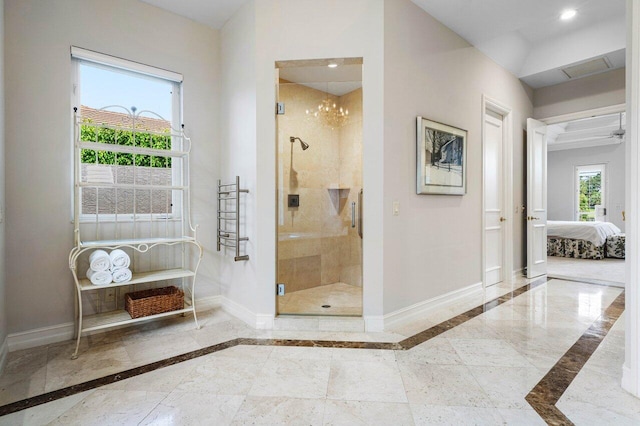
{"points": [[586, 68]]}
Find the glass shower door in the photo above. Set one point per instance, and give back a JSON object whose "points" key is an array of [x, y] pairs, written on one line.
{"points": [[319, 203]]}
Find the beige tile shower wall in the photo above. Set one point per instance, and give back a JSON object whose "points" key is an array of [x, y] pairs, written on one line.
{"points": [[313, 239]]}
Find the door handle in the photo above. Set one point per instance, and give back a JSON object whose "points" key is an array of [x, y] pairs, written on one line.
{"points": [[360, 195], [502, 219], [353, 214], [532, 218]]}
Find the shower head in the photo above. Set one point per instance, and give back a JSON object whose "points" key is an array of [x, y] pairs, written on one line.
{"points": [[304, 145]]}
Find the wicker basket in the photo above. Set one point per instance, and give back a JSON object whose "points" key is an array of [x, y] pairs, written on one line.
{"points": [[154, 301]]}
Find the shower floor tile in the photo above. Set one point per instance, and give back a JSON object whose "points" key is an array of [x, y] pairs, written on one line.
{"points": [[342, 299]]}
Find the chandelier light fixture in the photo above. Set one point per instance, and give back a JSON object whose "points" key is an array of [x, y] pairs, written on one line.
{"points": [[330, 114]]}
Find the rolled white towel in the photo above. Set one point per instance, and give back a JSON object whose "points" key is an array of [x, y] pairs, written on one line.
{"points": [[99, 260], [121, 275], [99, 277], [119, 259]]}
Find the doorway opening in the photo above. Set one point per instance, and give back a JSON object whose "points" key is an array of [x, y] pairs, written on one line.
{"points": [[319, 187], [586, 196]]}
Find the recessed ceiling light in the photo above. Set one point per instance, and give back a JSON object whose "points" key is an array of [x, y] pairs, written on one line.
{"points": [[332, 65], [568, 14]]}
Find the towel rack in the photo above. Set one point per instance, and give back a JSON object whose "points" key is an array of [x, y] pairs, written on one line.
{"points": [[229, 216]]}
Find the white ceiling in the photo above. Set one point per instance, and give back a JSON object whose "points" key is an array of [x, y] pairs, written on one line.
{"points": [[528, 38], [524, 36], [534, 20], [213, 13], [588, 132]]}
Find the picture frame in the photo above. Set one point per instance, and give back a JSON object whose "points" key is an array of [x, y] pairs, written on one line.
{"points": [[441, 153]]}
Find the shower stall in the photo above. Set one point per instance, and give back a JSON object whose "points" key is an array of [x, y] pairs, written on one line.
{"points": [[320, 194]]}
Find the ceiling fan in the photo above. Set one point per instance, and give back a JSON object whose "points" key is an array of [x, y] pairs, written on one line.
{"points": [[619, 132]]}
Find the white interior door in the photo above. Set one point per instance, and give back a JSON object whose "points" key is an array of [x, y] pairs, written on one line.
{"points": [[494, 219], [536, 198]]}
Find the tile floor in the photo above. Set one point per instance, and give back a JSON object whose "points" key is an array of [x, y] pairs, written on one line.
{"points": [[341, 299], [476, 373]]}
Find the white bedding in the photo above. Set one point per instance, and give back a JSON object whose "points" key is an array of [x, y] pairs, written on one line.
{"points": [[595, 232]]}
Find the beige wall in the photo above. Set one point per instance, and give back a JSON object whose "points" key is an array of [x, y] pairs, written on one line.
{"points": [[434, 246], [250, 48], [240, 281], [316, 244], [38, 134], [412, 66], [583, 94]]}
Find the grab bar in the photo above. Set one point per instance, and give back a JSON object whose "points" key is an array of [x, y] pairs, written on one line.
{"points": [[360, 196]]}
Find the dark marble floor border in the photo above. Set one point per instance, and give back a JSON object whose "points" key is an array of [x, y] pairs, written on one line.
{"points": [[405, 344], [544, 396], [438, 329]]}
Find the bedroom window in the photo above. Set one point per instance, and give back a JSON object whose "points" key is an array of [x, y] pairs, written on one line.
{"points": [[109, 93], [590, 193]]}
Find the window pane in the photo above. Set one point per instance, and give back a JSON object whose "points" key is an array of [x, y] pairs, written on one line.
{"points": [[104, 87], [590, 194]]}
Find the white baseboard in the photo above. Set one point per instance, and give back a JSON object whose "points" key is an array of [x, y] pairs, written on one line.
{"points": [[374, 323], [257, 321], [63, 332], [264, 321], [206, 303], [421, 309], [40, 336], [517, 273], [629, 381], [4, 351]]}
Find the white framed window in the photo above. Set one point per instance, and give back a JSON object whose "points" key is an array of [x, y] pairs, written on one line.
{"points": [[590, 190], [111, 95]]}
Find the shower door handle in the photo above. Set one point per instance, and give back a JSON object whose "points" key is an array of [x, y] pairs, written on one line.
{"points": [[360, 213], [353, 214]]}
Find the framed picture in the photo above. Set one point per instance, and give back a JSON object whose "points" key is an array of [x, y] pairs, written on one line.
{"points": [[441, 159]]}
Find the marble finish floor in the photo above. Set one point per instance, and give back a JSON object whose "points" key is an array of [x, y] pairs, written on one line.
{"points": [[477, 368], [606, 270], [337, 299]]}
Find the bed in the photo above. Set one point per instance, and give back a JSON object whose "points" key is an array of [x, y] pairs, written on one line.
{"points": [[584, 240]]}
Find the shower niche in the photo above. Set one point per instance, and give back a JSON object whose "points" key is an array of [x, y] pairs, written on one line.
{"points": [[319, 165]]}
